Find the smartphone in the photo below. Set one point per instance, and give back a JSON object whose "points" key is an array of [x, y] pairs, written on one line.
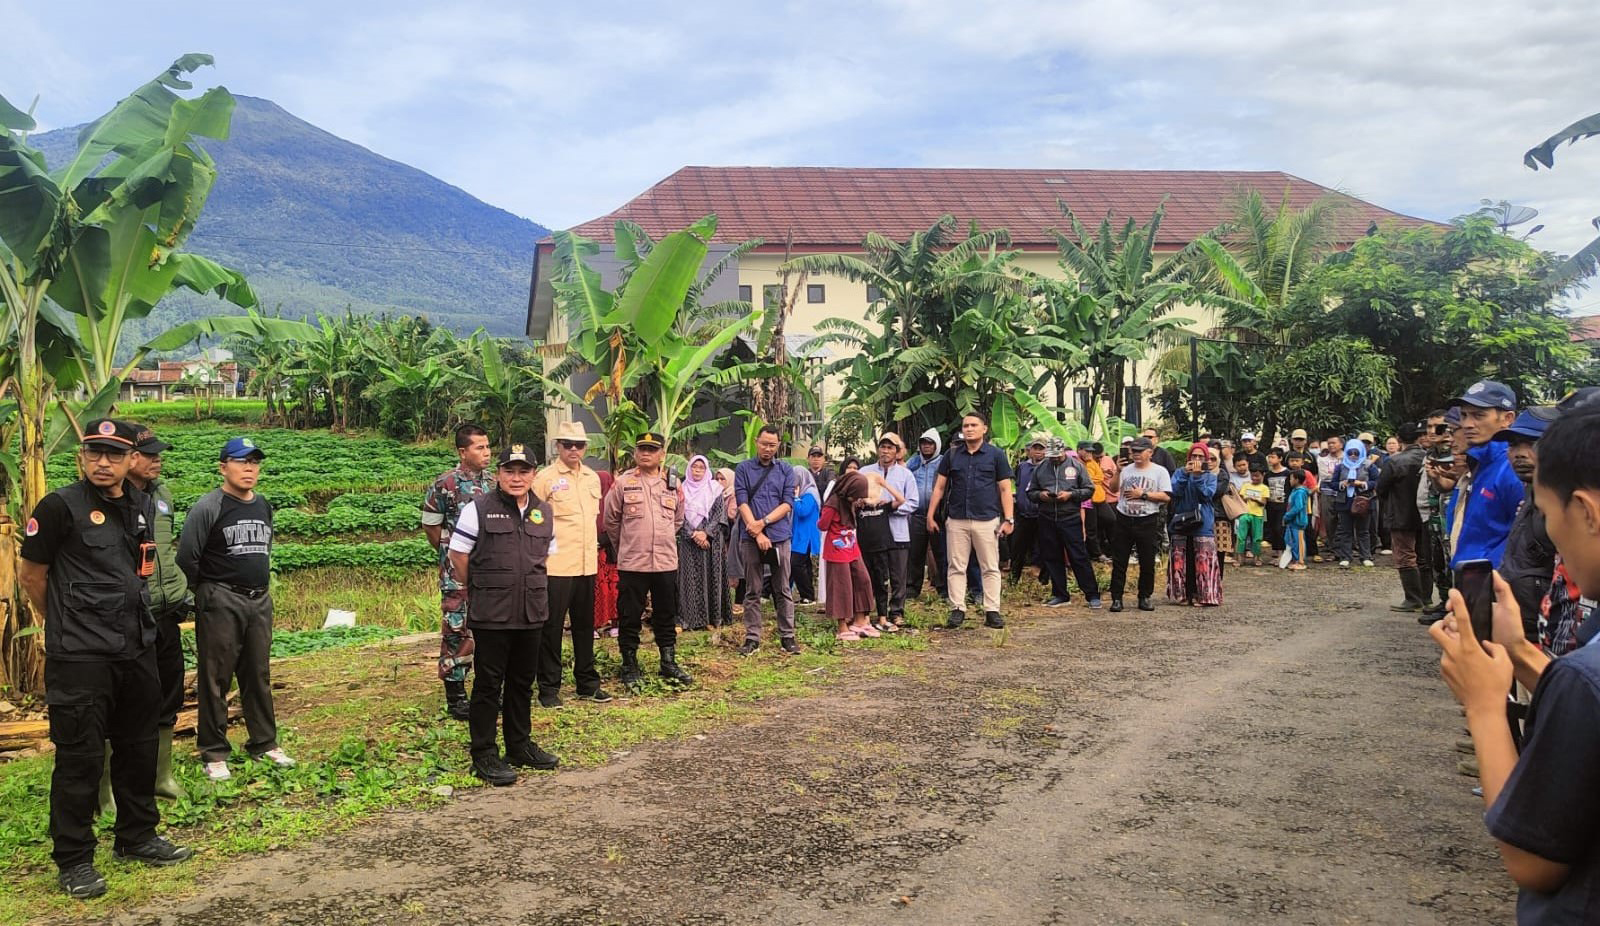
{"points": [[1475, 579]]}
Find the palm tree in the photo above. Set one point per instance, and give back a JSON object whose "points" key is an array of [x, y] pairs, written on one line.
{"points": [[923, 285], [1132, 292], [1250, 274]]}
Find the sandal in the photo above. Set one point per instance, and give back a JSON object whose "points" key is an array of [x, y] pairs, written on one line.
{"points": [[889, 627], [848, 636], [868, 631]]}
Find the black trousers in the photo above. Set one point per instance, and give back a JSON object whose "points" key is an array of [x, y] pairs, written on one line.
{"points": [[1062, 543], [922, 543], [632, 587], [887, 569], [1274, 525], [504, 667], [571, 597], [91, 703], [1105, 524], [169, 667], [1024, 545], [233, 639], [804, 573], [1141, 534]]}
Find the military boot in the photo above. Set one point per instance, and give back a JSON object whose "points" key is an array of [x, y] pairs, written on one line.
{"points": [[670, 670], [455, 700], [108, 804], [166, 783], [630, 675]]}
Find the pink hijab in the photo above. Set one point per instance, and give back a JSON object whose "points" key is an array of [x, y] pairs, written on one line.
{"points": [[700, 496]]}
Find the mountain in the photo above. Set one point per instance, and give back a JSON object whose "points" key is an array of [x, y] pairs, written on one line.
{"points": [[317, 223]]}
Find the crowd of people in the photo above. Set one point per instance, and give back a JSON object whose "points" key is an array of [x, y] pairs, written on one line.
{"points": [[527, 554]]}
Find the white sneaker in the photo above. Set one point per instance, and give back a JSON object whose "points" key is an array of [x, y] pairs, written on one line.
{"points": [[1344, 564], [1367, 563], [278, 757], [218, 771]]}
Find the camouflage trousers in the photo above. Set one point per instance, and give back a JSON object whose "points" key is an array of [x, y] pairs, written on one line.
{"points": [[455, 640]]}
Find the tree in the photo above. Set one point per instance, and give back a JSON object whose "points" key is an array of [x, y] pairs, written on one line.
{"points": [[923, 285], [1133, 294], [1446, 309], [85, 248], [1250, 275]]}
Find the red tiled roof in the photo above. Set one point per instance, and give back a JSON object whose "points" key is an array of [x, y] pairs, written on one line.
{"points": [[1586, 328], [171, 371], [833, 207]]}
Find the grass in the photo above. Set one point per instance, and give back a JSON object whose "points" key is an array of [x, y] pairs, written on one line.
{"points": [[368, 728], [301, 599]]}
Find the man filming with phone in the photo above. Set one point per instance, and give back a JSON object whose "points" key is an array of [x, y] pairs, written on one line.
{"points": [[1544, 804]]}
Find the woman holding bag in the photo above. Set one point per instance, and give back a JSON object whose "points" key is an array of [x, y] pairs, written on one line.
{"points": [[1194, 573]]}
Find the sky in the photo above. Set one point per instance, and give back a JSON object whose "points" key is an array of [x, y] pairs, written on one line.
{"points": [[563, 112]]}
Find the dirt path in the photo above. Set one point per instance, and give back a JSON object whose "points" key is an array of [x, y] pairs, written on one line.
{"points": [[1288, 760]]}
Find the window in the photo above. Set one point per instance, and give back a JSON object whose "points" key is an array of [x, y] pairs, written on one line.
{"points": [[874, 294], [746, 293], [1081, 403], [1133, 405], [815, 293], [772, 295]]}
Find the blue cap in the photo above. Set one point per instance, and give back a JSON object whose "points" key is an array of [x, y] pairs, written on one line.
{"points": [[1529, 425], [1486, 393], [241, 448]]}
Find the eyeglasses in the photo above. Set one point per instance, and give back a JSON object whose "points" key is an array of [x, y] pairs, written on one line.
{"points": [[571, 444], [110, 456], [247, 461]]}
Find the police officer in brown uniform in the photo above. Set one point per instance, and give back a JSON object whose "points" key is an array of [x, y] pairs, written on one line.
{"points": [[644, 510], [86, 553], [499, 549]]}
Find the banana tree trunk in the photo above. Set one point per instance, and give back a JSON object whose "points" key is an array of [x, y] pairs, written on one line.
{"points": [[24, 654]]}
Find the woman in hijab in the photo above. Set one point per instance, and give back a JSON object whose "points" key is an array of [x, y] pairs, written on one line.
{"points": [[849, 586], [1194, 574], [1356, 478], [703, 595], [806, 541]]}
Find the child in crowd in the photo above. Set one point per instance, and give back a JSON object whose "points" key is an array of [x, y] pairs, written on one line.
{"points": [[1302, 463], [1249, 525], [1296, 518], [1277, 480]]}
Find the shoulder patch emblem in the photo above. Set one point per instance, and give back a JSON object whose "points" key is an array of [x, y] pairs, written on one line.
{"points": [[537, 516], [162, 506], [32, 528], [97, 517]]}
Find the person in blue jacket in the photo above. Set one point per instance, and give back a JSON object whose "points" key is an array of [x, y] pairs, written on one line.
{"points": [[1478, 516], [807, 539], [1194, 575]]}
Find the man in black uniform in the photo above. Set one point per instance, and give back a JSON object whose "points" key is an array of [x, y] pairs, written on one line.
{"points": [[85, 554], [500, 549]]}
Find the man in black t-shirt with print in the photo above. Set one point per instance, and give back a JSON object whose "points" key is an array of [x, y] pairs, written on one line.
{"points": [[226, 553]]}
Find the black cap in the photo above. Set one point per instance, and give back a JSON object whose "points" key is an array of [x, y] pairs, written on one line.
{"points": [[1143, 443], [650, 439], [1085, 445], [110, 434], [1486, 393], [145, 441], [816, 451], [1586, 399], [516, 453]]}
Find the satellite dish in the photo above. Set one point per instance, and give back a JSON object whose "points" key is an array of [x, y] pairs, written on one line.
{"points": [[1505, 214]]}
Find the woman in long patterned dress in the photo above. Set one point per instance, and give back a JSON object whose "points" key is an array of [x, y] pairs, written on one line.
{"points": [[1194, 574], [703, 596]]}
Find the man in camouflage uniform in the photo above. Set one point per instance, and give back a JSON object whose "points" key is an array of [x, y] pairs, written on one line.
{"points": [[440, 508]]}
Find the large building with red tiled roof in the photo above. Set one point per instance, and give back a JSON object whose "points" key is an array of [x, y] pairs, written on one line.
{"points": [[800, 210]]}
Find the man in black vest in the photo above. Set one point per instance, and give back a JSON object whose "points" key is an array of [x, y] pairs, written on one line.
{"points": [[86, 552], [498, 550]]}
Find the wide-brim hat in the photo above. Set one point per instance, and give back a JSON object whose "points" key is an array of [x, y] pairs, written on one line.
{"points": [[572, 432]]}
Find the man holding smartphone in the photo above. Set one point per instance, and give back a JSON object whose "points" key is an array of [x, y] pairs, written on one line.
{"points": [[1543, 804]]}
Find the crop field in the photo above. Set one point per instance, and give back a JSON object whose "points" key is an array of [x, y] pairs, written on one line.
{"points": [[345, 513]]}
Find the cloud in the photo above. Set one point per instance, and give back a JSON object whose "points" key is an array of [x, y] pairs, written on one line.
{"points": [[561, 113]]}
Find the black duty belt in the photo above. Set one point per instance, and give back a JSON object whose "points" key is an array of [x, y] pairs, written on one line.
{"points": [[244, 590]]}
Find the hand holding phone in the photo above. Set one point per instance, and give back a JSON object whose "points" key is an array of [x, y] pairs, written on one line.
{"points": [[1475, 579]]}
